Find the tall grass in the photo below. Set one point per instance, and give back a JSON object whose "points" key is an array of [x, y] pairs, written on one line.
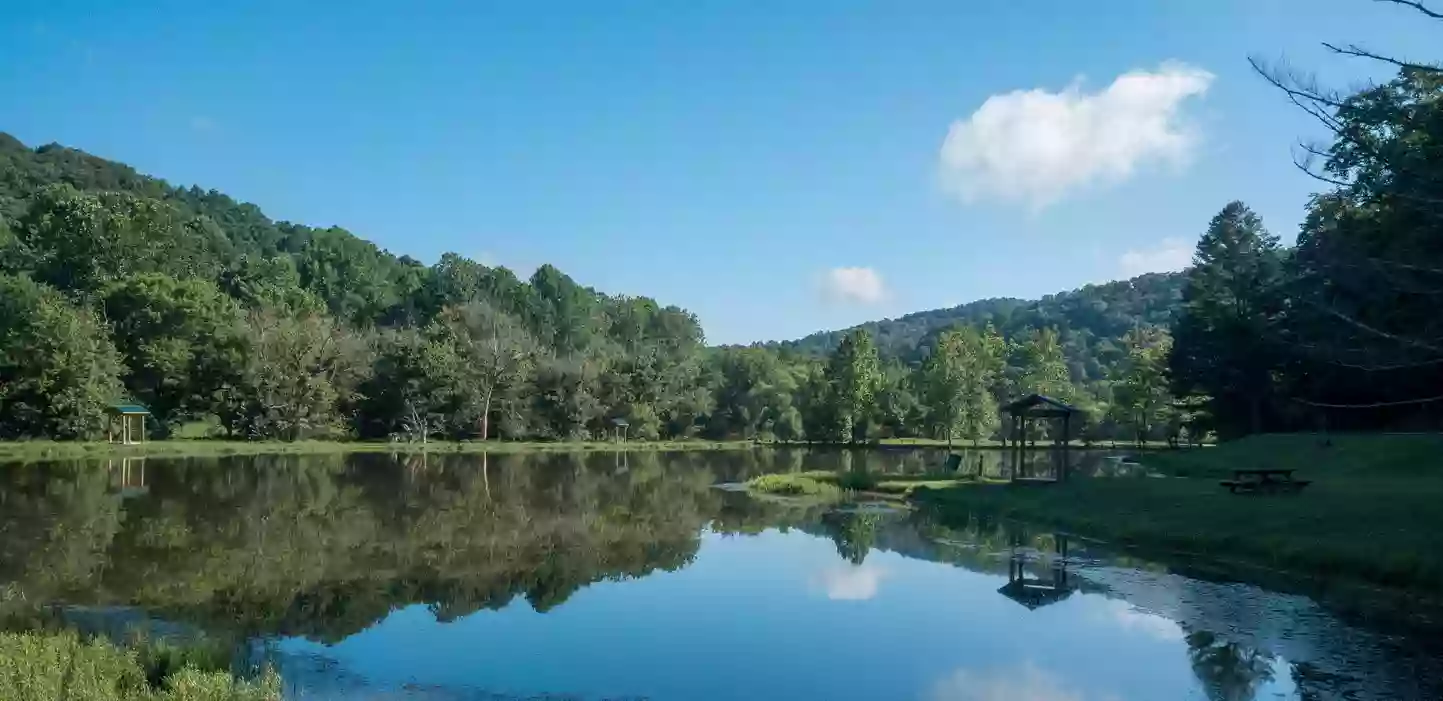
{"points": [[64, 667]]}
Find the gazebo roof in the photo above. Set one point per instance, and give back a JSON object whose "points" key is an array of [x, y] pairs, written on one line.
{"points": [[1039, 405], [1033, 593], [126, 409]]}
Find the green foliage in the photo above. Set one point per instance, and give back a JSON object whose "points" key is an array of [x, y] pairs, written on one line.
{"points": [[1042, 369], [58, 367], [80, 241], [1226, 345], [959, 377], [298, 372], [853, 376], [182, 342], [62, 666], [284, 331], [1090, 323], [793, 486], [1140, 393]]}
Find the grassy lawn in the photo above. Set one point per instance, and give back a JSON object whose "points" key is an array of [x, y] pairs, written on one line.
{"points": [[59, 450], [829, 484], [1374, 511]]}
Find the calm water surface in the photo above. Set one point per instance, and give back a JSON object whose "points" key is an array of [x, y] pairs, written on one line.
{"points": [[631, 576]]}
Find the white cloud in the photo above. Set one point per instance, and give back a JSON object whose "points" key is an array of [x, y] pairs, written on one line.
{"points": [[1170, 254], [851, 583], [1035, 146], [1025, 683], [1130, 618], [858, 285]]}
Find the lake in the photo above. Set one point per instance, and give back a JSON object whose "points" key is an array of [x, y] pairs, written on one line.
{"points": [[647, 576]]}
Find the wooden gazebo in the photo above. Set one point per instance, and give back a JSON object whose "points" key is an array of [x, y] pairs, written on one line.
{"points": [[132, 423], [1037, 406]]}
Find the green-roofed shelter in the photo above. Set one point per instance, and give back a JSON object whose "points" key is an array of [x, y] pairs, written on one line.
{"points": [[1040, 407], [127, 423]]}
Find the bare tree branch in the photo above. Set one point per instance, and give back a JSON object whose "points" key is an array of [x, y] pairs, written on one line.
{"points": [[1415, 4], [1402, 340], [1373, 405], [1321, 355], [1354, 50]]}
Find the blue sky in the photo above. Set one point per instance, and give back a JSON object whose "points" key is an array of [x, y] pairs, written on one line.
{"points": [[777, 167]]}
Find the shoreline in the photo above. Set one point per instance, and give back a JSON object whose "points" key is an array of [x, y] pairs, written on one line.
{"points": [[24, 451]]}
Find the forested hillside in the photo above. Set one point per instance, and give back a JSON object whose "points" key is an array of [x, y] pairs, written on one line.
{"points": [[115, 286], [120, 287], [1091, 323]]}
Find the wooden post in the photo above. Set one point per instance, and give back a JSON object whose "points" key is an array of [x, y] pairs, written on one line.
{"points": [[1022, 451], [142, 428], [1066, 447], [1012, 452]]}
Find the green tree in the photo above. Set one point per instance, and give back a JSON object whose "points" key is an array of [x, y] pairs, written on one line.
{"points": [[900, 411], [299, 373], [416, 387], [273, 282], [945, 383], [564, 402], [1042, 368], [496, 355], [1225, 343], [1140, 394], [181, 341], [987, 365], [959, 379], [1227, 671], [80, 240], [58, 367], [854, 376]]}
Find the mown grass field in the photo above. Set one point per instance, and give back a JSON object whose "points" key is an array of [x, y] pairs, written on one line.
{"points": [[1373, 513]]}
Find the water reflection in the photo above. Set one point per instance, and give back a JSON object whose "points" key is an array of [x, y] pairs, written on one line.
{"points": [[459, 576], [1031, 590]]}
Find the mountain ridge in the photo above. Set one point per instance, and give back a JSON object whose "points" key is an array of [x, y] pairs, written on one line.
{"points": [[1090, 319]]}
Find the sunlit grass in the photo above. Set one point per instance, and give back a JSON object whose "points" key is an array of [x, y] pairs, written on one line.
{"points": [[1372, 512], [26, 451], [794, 485]]}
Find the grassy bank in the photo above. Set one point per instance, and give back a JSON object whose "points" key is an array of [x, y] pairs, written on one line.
{"points": [[21, 451], [63, 450], [828, 484], [65, 666], [1372, 513]]}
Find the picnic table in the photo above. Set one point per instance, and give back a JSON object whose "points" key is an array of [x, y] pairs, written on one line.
{"points": [[1255, 480]]}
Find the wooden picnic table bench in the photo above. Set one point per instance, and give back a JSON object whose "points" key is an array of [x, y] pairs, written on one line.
{"points": [[1264, 480]]}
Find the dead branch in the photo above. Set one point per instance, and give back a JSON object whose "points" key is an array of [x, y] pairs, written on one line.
{"points": [[1373, 405], [1401, 340], [1417, 5], [1355, 50]]}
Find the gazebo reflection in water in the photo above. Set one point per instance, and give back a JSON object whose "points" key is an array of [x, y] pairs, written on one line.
{"points": [[1037, 590]]}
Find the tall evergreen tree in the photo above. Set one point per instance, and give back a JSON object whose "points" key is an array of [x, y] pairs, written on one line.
{"points": [[1225, 339]]}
